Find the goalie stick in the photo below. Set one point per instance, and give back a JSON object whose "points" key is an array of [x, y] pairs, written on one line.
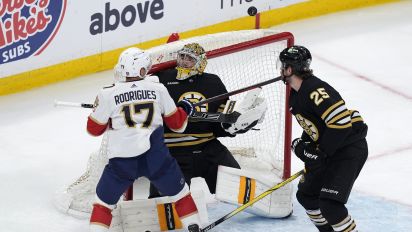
{"points": [[226, 118], [234, 92], [262, 195]]}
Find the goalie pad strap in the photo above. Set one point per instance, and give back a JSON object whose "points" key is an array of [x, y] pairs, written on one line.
{"points": [[247, 188], [168, 219]]}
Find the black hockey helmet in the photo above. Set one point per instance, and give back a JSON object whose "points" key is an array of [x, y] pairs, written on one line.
{"points": [[297, 57]]}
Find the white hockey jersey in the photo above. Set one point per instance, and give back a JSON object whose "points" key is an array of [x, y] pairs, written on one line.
{"points": [[132, 110]]}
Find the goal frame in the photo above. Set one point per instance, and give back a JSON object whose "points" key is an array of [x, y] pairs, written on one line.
{"points": [[282, 36]]}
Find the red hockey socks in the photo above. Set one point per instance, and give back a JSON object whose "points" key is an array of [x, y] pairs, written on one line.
{"points": [[100, 219]]}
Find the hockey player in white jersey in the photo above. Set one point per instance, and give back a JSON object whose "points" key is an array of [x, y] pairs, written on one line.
{"points": [[132, 112]]}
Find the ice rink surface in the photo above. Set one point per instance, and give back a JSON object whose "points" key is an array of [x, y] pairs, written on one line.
{"points": [[365, 54]]}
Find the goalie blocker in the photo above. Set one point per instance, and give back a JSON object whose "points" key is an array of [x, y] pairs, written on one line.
{"points": [[239, 186]]}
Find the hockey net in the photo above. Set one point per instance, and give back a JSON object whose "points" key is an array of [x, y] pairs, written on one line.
{"points": [[240, 59]]}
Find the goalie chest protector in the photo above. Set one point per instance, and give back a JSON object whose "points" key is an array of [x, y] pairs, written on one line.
{"points": [[195, 89]]}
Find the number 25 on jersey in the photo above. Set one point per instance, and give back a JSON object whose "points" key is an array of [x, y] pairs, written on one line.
{"points": [[318, 95]]}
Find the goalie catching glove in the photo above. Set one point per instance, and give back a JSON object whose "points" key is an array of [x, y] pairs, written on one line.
{"points": [[252, 110]]}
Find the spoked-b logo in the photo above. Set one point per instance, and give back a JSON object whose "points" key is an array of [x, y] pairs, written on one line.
{"points": [[28, 26]]}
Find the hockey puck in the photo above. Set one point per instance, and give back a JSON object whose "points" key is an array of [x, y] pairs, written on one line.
{"points": [[252, 11]]}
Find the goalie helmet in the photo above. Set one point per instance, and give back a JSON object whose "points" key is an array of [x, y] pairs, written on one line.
{"points": [[131, 61], [198, 55], [297, 57]]}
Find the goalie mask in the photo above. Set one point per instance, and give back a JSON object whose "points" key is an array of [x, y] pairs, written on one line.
{"points": [[191, 60], [131, 61]]}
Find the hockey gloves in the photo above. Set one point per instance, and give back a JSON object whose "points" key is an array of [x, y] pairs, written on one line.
{"points": [[308, 153], [187, 106]]}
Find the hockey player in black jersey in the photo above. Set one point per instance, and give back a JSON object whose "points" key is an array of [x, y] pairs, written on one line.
{"points": [[197, 149], [332, 146]]}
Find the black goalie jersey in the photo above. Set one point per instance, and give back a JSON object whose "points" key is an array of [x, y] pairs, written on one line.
{"points": [[322, 113], [195, 89]]}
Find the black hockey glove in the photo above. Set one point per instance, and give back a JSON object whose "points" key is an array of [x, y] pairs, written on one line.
{"points": [[308, 153], [187, 106]]}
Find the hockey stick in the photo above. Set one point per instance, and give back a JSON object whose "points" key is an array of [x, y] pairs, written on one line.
{"points": [[242, 207], [225, 95], [214, 117], [198, 116], [72, 104]]}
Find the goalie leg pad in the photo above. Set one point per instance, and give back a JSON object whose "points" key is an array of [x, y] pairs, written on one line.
{"points": [[239, 186], [157, 214]]}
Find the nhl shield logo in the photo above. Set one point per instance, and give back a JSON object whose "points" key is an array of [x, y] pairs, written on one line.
{"points": [[28, 26]]}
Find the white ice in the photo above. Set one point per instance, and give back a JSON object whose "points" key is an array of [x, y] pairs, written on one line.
{"points": [[366, 54]]}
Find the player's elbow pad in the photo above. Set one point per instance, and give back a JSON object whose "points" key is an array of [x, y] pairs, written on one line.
{"points": [[177, 121], [95, 128]]}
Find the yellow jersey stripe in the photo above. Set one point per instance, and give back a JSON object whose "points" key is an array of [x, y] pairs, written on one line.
{"points": [[340, 126], [357, 119], [190, 143], [334, 106], [339, 116], [175, 135]]}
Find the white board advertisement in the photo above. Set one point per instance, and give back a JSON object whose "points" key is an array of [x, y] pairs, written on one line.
{"points": [[40, 33]]}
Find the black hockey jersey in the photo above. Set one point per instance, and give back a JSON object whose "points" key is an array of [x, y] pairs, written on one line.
{"points": [[322, 113], [195, 89]]}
